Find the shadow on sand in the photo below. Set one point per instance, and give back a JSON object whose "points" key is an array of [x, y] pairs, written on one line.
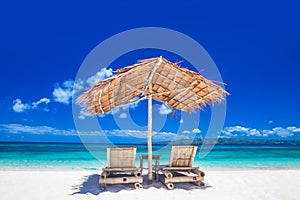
{"points": [[90, 184]]}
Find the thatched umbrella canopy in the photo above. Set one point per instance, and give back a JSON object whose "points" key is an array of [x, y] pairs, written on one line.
{"points": [[155, 78]]}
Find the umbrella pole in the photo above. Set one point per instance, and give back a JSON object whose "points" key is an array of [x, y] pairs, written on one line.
{"points": [[149, 139]]}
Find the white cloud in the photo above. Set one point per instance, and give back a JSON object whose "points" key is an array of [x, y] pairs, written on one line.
{"points": [[99, 76], [243, 131], [157, 136], [253, 132], [196, 130], [270, 122], [20, 128], [83, 114], [78, 86], [19, 106], [186, 132], [164, 110], [282, 132], [64, 93], [42, 130], [41, 101], [293, 129], [123, 116], [181, 121], [68, 84], [235, 131]]}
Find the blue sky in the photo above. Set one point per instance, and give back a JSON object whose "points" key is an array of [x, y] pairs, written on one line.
{"points": [[255, 45]]}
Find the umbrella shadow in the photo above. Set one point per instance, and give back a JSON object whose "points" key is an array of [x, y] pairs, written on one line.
{"points": [[184, 186], [90, 185]]}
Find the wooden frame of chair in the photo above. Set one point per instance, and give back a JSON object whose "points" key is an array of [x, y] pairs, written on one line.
{"points": [[121, 168], [181, 160]]}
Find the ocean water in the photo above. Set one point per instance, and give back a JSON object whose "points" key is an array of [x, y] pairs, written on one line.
{"points": [[45, 156]]}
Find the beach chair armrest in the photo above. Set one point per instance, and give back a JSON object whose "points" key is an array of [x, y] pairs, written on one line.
{"points": [[135, 169], [179, 168]]}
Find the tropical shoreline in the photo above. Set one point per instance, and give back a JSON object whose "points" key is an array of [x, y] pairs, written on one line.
{"points": [[226, 184], [40, 156]]}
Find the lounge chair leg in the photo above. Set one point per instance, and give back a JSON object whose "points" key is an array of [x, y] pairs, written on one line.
{"points": [[138, 186], [167, 174], [103, 175], [199, 183], [102, 179], [137, 174], [170, 186]]}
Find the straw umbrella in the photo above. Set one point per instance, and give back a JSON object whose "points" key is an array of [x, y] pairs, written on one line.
{"points": [[154, 78]]}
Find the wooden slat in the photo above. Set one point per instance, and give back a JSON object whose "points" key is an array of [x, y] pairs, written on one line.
{"points": [[123, 169], [182, 156], [180, 179], [124, 179], [179, 168], [193, 156], [171, 156], [121, 157]]}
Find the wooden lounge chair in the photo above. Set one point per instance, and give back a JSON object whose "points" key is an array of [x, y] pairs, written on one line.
{"points": [[121, 168], [180, 168]]}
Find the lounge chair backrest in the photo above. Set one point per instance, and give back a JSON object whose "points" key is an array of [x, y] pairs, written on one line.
{"points": [[121, 157], [182, 156]]}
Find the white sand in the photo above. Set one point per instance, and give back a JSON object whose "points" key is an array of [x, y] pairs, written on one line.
{"points": [[62, 185]]}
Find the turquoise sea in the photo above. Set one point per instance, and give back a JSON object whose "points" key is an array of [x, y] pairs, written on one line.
{"points": [[45, 156]]}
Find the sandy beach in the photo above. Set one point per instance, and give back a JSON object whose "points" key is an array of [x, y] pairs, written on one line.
{"points": [[228, 184]]}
